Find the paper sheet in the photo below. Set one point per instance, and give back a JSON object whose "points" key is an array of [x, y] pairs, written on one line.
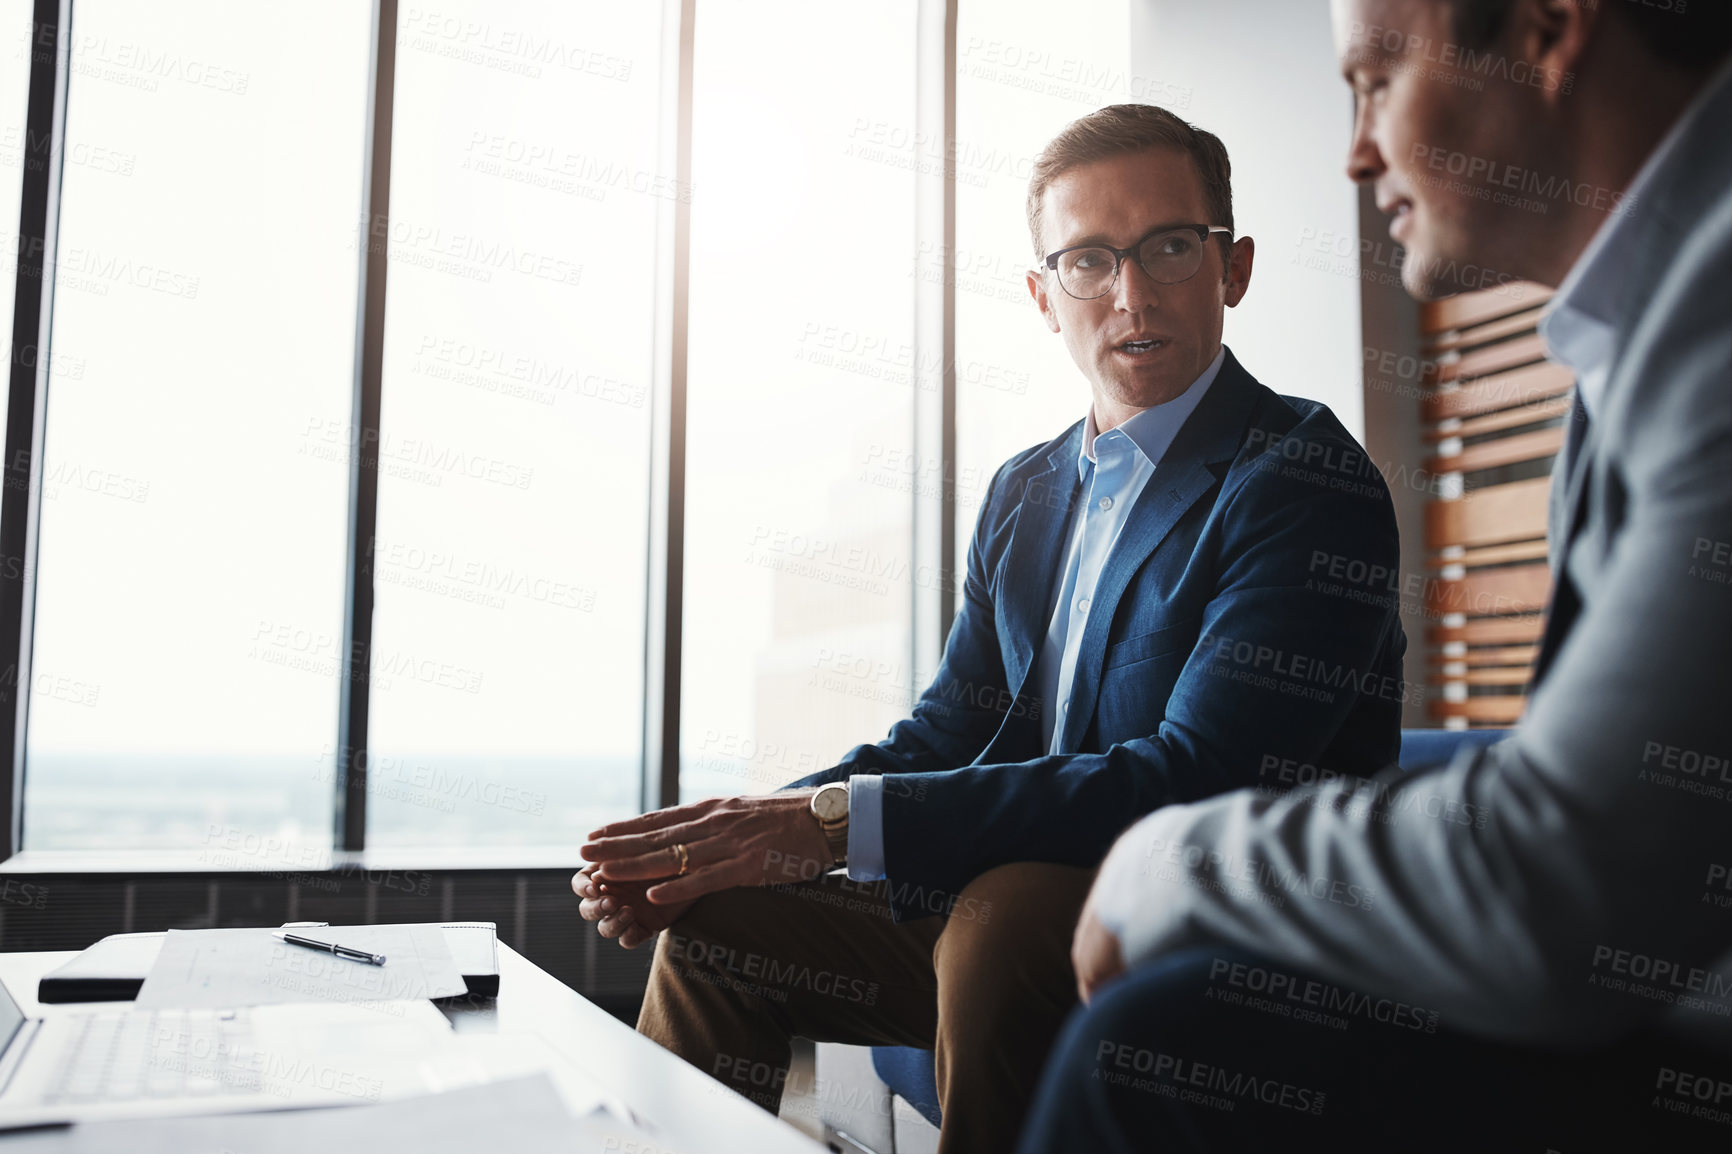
{"points": [[524, 1116], [212, 969]]}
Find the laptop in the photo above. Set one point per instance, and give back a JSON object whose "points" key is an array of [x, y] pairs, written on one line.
{"points": [[120, 1062]]}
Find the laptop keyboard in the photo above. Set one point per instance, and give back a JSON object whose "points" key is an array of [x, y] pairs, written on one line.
{"points": [[126, 1055]]}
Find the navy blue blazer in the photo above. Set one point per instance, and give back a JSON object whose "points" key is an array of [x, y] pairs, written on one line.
{"points": [[1247, 621]]}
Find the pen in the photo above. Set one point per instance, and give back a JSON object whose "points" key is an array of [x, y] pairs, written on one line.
{"points": [[349, 952]]}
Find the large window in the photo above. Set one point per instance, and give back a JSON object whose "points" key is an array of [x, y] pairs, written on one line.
{"points": [[798, 567], [190, 629], [507, 683], [1020, 77], [547, 399], [190, 569]]}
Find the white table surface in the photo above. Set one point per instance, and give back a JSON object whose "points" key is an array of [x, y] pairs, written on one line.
{"points": [[685, 1110]]}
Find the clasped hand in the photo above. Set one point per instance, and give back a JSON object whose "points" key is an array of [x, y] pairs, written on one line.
{"points": [[632, 887]]}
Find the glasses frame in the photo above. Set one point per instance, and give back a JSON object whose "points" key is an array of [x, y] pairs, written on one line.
{"points": [[1120, 255]]}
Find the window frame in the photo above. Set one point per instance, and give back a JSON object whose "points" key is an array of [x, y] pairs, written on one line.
{"points": [[27, 390]]}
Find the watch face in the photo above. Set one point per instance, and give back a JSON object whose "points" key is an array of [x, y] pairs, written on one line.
{"points": [[831, 803]]}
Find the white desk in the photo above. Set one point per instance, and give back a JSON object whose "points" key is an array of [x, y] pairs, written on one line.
{"points": [[689, 1111]]}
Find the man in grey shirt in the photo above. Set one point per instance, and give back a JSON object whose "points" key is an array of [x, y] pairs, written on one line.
{"points": [[1540, 953]]}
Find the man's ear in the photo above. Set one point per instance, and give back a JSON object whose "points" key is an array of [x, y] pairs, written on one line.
{"points": [[1239, 260], [1553, 36], [1037, 290]]}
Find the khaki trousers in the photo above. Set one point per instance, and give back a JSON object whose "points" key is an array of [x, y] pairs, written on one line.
{"points": [[987, 988]]}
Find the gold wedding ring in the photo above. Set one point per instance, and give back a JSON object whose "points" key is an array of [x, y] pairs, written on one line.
{"points": [[684, 856]]}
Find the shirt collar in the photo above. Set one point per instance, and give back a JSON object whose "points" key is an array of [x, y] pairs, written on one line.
{"points": [[1599, 296], [1152, 430]]}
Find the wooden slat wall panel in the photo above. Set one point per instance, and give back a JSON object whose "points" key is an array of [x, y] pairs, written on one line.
{"points": [[1490, 516], [1506, 419], [1509, 326], [1510, 450], [1504, 554], [1499, 391], [1498, 358], [1493, 711], [1491, 631], [1489, 382], [1502, 676], [1496, 592], [1498, 655], [1465, 310]]}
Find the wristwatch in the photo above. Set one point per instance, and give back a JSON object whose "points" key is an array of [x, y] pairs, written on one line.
{"points": [[830, 807]]}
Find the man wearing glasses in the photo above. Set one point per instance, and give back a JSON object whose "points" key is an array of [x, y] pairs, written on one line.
{"points": [[1154, 612]]}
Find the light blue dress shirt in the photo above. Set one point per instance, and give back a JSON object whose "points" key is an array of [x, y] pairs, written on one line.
{"points": [[1114, 467]]}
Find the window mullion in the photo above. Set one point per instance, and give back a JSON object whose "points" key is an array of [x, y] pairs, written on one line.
{"points": [[933, 588], [27, 396], [664, 615], [356, 661]]}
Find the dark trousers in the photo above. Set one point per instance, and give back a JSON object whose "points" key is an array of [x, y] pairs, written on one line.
{"points": [[1211, 1050]]}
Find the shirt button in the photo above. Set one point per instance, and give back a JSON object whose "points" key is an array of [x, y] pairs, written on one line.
{"points": [[1065, 707], [1083, 605], [1106, 503]]}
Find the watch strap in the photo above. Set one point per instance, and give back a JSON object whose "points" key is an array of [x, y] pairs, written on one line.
{"points": [[836, 835]]}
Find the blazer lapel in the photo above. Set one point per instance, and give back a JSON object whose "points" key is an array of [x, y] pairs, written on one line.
{"points": [[1568, 487], [1035, 553], [1567, 514], [1193, 465]]}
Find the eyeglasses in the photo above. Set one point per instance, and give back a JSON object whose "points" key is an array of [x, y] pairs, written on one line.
{"points": [[1170, 256]]}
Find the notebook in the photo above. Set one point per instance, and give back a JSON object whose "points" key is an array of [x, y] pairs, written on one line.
{"points": [[114, 968]]}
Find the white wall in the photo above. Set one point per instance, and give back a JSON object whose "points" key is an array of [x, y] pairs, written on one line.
{"points": [[1262, 75]]}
